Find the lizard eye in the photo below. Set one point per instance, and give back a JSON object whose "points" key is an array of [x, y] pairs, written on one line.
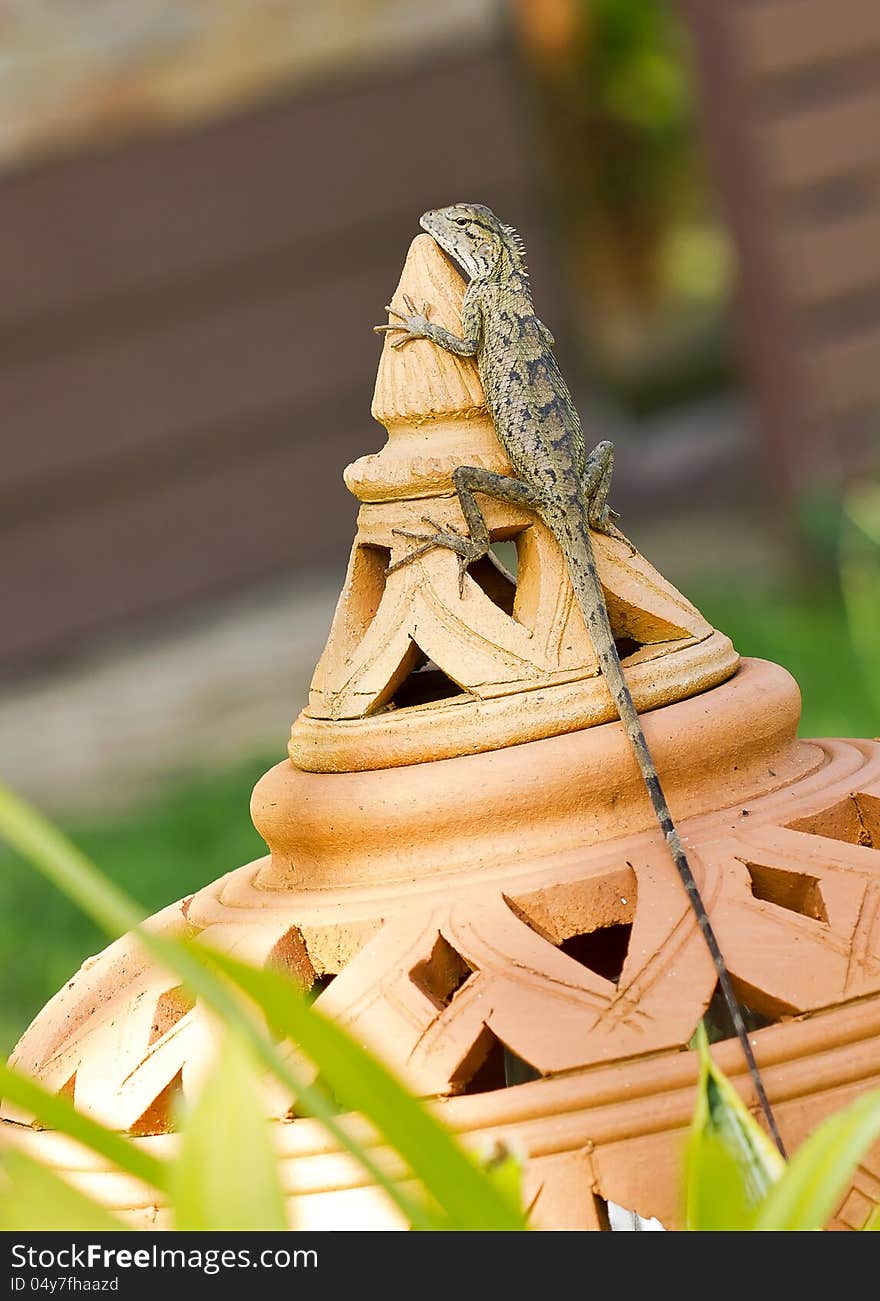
{"points": [[461, 221]]}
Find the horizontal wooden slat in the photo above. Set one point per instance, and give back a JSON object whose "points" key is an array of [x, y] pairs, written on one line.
{"points": [[807, 147], [186, 360], [310, 172], [121, 399], [828, 261], [69, 578], [783, 36], [843, 375]]}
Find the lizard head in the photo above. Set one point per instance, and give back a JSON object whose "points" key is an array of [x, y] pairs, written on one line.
{"points": [[471, 234]]}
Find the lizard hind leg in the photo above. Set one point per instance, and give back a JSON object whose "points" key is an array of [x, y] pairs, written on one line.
{"points": [[472, 546], [596, 483]]}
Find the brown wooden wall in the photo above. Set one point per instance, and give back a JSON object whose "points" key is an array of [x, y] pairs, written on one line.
{"points": [[791, 93], [186, 362]]}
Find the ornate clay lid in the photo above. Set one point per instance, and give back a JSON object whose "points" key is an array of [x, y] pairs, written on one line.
{"points": [[416, 671]]}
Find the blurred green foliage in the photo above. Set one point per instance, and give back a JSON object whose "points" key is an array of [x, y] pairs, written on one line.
{"points": [[630, 80], [650, 263], [805, 629], [737, 1181], [859, 553]]}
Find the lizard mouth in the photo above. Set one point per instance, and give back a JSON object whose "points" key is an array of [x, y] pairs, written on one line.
{"points": [[437, 235], [449, 256], [453, 260]]}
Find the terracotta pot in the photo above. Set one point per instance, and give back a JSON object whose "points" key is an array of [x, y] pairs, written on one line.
{"points": [[469, 869]]}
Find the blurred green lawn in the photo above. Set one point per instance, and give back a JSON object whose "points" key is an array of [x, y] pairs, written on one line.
{"points": [[202, 829]]}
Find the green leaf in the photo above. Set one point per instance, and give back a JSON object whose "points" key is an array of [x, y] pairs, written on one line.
{"points": [[55, 1112], [717, 1192], [68, 869], [818, 1172], [226, 1175], [504, 1169], [53, 855], [731, 1163], [111, 908], [193, 964], [33, 1198], [451, 1176]]}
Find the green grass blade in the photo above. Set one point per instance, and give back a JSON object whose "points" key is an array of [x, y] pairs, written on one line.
{"points": [[717, 1193], [226, 1174], [68, 869], [450, 1175], [731, 1162], [34, 1199], [504, 1169], [193, 964], [57, 1113], [818, 1172]]}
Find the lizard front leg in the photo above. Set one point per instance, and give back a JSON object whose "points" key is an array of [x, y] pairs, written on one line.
{"points": [[470, 547], [417, 325], [596, 484]]}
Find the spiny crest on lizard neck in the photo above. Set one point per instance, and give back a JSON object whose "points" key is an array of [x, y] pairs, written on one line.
{"points": [[475, 238]]}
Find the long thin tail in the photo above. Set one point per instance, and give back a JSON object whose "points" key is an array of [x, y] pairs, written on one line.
{"points": [[591, 599]]}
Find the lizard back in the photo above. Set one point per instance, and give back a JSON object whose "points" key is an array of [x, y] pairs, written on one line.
{"points": [[535, 418]]}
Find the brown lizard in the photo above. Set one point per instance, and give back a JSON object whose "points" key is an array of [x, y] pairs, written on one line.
{"points": [[538, 427]]}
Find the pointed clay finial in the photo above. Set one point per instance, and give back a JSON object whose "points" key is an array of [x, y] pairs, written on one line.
{"points": [[417, 668], [420, 381], [430, 401]]}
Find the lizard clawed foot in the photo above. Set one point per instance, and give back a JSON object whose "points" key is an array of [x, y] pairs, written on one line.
{"points": [[411, 555], [412, 326], [603, 521], [442, 528], [447, 537]]}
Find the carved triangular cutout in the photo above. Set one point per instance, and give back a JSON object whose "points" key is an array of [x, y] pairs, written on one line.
{"points": [[319, 984], [602, 951], [441, 975], [159, 1116], [493, 578], [719, 1023], [796, 891], [68, 1088], [869, 815], [517, 1071], [425, 684], [171, 1007], [632, 625], [626, 647], [491, 1065], [290, 955], [361, 596], [416, 681]]}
